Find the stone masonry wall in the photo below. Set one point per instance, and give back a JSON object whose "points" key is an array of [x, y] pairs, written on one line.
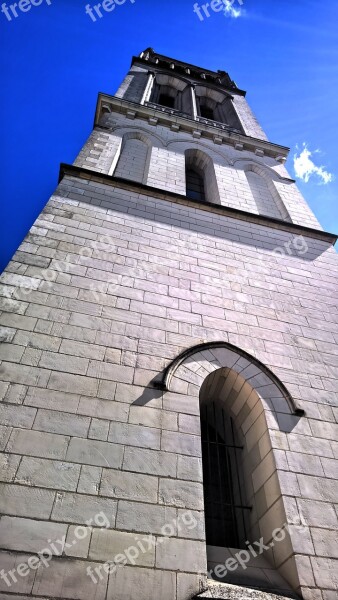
{"points": [[109, 286]]}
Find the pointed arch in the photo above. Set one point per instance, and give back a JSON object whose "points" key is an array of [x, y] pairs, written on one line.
{"points": [[223, 354], [262, 412]]}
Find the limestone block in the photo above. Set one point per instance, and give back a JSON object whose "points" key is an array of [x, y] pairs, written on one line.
{"points": [[106, 543], [152, 462], [124, 582], [77, 542], [89, 482], [181, 555], [135, 516], [8, 466], [82, 509], [48, 474], [184, 494], [69, 579], [134, 435], [16, 584], [129, 486], [61, 422], [26, 502], [92, 452], [32, 536], [36, 443]]}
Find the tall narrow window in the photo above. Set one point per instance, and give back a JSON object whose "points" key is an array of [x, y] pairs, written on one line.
{"points": [[132, 163], [224, 506], [195, 185]]}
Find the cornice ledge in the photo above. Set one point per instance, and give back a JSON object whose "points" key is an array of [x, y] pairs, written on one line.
{"points": [[229, 137], [232, 86], [234, 213]]}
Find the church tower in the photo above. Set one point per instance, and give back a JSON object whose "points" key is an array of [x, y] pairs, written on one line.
{"points": [[169, 362]]}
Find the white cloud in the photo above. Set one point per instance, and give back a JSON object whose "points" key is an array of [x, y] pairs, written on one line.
{"points": [[305, 167], [230, 11]]}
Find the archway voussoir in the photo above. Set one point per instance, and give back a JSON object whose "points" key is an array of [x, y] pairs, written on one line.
{"points": [[225, 357], [194, 364], [179, 386], [185, 374], [250, 371], [242, 364], [259, 380], [211, 359]]}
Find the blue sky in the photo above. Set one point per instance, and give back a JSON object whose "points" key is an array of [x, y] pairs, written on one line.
{"points": [[55, 59]]}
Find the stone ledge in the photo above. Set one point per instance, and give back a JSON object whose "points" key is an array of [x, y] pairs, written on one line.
{"points": [[227, 591], [188, 124]]}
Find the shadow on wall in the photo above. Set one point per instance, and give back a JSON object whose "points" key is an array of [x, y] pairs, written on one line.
{"points": [[235, 230]]}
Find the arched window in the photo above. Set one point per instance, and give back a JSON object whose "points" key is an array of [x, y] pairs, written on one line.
{"points": [[201, 181], [226, 512], [133, 160], [195, 184]]}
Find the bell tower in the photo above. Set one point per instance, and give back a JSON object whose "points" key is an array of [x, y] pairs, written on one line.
{"points": [[169, 362]]}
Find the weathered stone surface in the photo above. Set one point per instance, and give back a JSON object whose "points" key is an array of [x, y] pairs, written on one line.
{"points": [[174, 492], [129, 486], [25, 502], [114, 543], [134, 435], [233, 592], [81, 509], [17, 585], [124, 582], [150, 461], [68, 579], [77, 542], [184, 555], [92, 452], [8, 466], [35, 443], [31, 536], [48, 474], [135, 516]]}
